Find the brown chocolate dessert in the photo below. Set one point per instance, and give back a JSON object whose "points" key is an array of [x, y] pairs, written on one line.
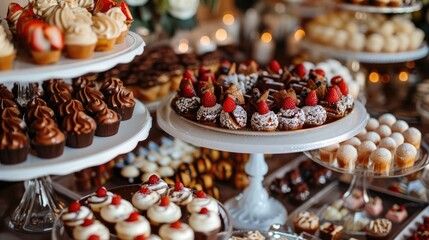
{"points": [[14, 147], [87, 95], [122, 103], [80, 129], [38, 112], [48, 142], [107, 123], [111, 86]]}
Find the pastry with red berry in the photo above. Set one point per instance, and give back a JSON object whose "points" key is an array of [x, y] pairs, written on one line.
{"points": [[206, 224], [163, 212], [154, 183], [177, 231], [264, 119], [232, 116], [117, 211], [91, 230], [132, 227], [209, 111], [374, 207], [99, 199], [346, 97], [202, 200], [315, 115], [75, 215], [290, 116], [180, 195], [186, 103], [335, 108], [145, 198], [397, 214]]}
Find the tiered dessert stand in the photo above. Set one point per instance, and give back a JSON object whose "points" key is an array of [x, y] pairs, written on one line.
{"points": [[38, 208], [254, 209]]}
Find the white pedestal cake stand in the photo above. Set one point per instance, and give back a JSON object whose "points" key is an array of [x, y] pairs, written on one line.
{"points": [[39, 208], [254, 209]]}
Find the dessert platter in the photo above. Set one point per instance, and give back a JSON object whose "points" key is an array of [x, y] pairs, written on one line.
{"points": [[184, 206], [411, 6]]}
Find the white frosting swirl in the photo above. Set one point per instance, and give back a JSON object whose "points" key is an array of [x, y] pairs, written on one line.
{"points": [[88, 4], [116, 213], [264, 122], [6, 47], [40, 6], [80, 34], [160, 187], [167, 214], [197, 203], [204, 222], [130, 230], [62, 17], [83, 232], [68, 3], [144, 201], [166, 232], [116, 14], [105, 27], [76, 218], [82, 15], [96, 202], [181, 197]]}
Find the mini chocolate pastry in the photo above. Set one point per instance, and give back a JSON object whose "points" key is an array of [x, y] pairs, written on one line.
{"points": [[224, 170], [95, 106], [81, 82], [80, 129], [40, 124], [294, 177], [186, 174], [203, 164], [111, 86], [329, 231], [59, 98], [10, 112], [12, 124], [48, 142], [300, 192], [69, 107], [107, 123], [280, 186], [87, 95], [318, 178], [6, 93], [14, 147], [56, 87], [6, 103], [36, 102], [38, 112], [122, 102]]}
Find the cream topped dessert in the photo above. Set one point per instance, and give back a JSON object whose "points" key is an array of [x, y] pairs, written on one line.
{"points": [[206, 224], [117, 211], [90, 228], [180, 195], [61, 16], [201, 200], [164, 212], [177, 231], [6, 47], [105, 27], [154, 183], [116, 14], [80, 34], [145, 198], [133, 226], [40, 6], [82, 15], [100, 199], [75, 214]]}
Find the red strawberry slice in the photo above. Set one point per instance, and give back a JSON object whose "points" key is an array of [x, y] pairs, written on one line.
{"points": [[94, 237], [188, 91], [320, 72], [13, 8], [134, 217], [102, 192], [204, 210], [275, 66], [29, 26], [200, 194], [336, 79], [178, 186], [116, 200], [343, 87], [263, 107], [74, 206], [55, 37], [311, 99], [332, 96], [207, 76], [176, 225], [300, 70], [340, 94], [153, 179], [104, 5], [25, 16], [289, 103], [229, 105], [126, 10], [164, 201], [189, 75], [145, 190], [140, 237], [87, 222], [209, 100], [38, 41]]}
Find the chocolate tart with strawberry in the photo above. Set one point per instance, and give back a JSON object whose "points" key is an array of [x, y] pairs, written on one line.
{"points": [[345, 96], [264, 119], [232, 116], [290, 116], [334, 107], [186, 103], [209, 111], [315, 115]]}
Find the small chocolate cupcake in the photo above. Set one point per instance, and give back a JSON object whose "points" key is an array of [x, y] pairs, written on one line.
{"points": [[111, 86], [87, 95], [81, 82], [80, 129], [107, 123], [36, 102], [40, 124], [56, 86], [12, 124], [59, 98], [48, 142], [95, 106], [14, 147], [122, 103], [68, 108], [6, 93], [38, 112], [10, 112]]}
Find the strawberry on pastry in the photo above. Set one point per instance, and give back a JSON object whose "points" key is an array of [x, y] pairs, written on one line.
{"points": [[274, 67], [46, 43], [126, 10], [397, 214], [264, 119], [13, 14], [186, 103], [315, 115], [335, 108], [209, 111], [290, 116], [232, 116], [346, 97], [103, 5]]}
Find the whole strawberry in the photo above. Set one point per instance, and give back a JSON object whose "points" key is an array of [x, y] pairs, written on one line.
{"points": [[275, 67], [343, 87], [311, 99], [289, 103], [263, 107], [188, 91], [332, 96], [209, 99], [300, 70], [229, 105]]}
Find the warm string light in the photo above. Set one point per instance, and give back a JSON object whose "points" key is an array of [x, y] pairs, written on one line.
{"points": [[403, 76], [374, 77], [299, 34], [183, 46], [205, 40], [266, 37], [221, 35], [228, 19]]}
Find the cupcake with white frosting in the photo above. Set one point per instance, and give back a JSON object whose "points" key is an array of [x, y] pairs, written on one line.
{"points": [[117, 211], [80, 41], [75, 215], [144, 199], [116, 14], [99, 199], [201, 200], [91, 228], [177, 231], [132, 227], [7, 51], [154, 183], [180, 195], [163, 212], [205, 224], [60, 15], [107, 31]]}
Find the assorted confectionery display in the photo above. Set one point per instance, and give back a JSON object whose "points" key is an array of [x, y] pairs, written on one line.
{"points": [[250, 235], [61, 114], [420, 229], [46, 29], [385, 145], [375, 33], [380, 3], [278, 98], [155, 211]]}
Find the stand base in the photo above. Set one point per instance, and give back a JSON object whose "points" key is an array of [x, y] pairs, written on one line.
{"points": [[251, 217]]}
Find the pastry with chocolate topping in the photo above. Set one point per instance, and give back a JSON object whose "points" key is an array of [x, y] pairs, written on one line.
{"points": [[95, 106], [80, 129], [38, 112], [122, 103], [48, 141], [68, 108], [108, 123], [87, 95], [10, 112], [14, 147], [186, 103], [232, 116], [111, 86]]}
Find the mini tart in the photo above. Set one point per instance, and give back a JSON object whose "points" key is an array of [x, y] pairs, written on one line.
{"points": [[132, 227], [314, 115], [14, 147], [264, 122], [209, 115], [330, 231], [306, 222], [161, 213], [379, 228], [85, 230], [181, 232], [291, 119], [334, 111], [73, 219], [205, 224], [186, 107], [143, 200], [236, 119]]}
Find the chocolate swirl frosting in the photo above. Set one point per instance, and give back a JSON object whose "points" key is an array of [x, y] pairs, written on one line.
{"points": [[59, 98], [87, 95], [13, 140], [81, 82], [38, 112], [78, 123], [70, 107], [58, 86], [42, 123], [122, 99], [10, 112], [95, 106], [49, 136], [5, 103], [12, 124], [6, 93], [36, 102], [111, 86], [107, 116]]}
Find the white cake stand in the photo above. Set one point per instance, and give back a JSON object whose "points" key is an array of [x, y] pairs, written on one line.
{"points": [[254, 209], [39, 207]]}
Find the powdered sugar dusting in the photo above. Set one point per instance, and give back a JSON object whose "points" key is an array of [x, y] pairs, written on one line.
{"points": [[209, 113], [236, 120], [381, 155], [186, 105], [314, 115], [406, 150], [264, 122], [291, 119]]}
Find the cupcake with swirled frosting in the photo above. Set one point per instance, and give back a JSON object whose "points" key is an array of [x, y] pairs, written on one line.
{"points": [[80, 41], [111, 86], [88, 4], [69, 107], [7, 51], [41, 6], [135, 225], [80, 129], [38, 112], [61, 16], [144, 199], [177, 231], [201, 200], [118, 210], [123, 103], [48, 142], [108, 123], [206, 224], [163, 212], [91, 228], [75, 215], [116, 14], [13, 147], [99, 199], [180, 195], [107, 31], [87, 95]]}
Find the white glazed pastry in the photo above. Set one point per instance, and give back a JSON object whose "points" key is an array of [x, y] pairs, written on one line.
{"points": [[145, 198], [132, 227], [201, 200], [164, 212], [117, 211], [89, 228], [176, 231]]}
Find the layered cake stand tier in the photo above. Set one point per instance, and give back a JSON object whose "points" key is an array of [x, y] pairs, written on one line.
{"points": [[416, 6], [254, 209], [365, 57], [25, 71]]}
